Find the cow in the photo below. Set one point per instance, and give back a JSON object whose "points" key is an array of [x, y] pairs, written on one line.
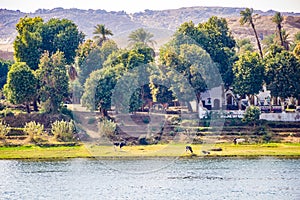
{"points": [[238, 140], [189, 148], [119, 144]]}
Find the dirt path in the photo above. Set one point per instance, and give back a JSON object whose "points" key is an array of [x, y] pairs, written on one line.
{"points": [[85, 119]]}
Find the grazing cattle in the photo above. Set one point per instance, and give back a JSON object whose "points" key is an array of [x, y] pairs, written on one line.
{"points": [[237, 141], [188, 148], [205, 152], [119, 144]]}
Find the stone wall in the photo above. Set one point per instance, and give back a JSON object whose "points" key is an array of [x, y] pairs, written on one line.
{"points": [[286, 117]]}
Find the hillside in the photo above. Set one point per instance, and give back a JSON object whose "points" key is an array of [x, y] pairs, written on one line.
{"points": [[161, 23]]}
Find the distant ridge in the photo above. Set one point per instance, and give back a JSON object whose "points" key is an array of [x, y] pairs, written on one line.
{"points": [[162, 23]]}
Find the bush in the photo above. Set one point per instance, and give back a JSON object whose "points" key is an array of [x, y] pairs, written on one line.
{"points": [[64, 110], [6, 112], [4, 129], [34, 130], [107, 127], [63, 131], [251, 115]]}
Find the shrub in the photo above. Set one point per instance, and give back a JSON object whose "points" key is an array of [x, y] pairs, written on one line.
{"points": [[251, 115], [4, 129], [34, 130], [175, 120], [64, 110], [146, 120], [63, 131], [107, 127]]}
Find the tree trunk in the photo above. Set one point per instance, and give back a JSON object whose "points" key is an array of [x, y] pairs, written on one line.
{"points": [[190, 109], [142, 95], [239, 103], [27, 108], [198, 102], [35, 106], [280, 35], [257, 39]]}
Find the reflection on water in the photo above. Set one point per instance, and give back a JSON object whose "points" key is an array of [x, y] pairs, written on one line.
{"points": [[267, 178]]}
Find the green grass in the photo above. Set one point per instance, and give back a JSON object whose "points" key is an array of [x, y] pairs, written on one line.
{"points": [[35, 152], [159, 150]]}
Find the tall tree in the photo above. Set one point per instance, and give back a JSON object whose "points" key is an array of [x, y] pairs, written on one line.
{"points": [[248, 75], [21, 85], [28, 43], [101, 33], [141, 36], [283, 74], [215, 38], [53, 81], [61, 35], [34, 37], [277, 19], [246, 18]]}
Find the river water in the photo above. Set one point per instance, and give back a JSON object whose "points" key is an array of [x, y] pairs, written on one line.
{"points": [[218, 178]]}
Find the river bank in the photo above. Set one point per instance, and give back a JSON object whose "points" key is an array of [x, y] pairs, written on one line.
{"points": [[285, 150]]}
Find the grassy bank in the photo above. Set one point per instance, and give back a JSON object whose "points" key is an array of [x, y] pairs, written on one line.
{"points": [[171, 150]]}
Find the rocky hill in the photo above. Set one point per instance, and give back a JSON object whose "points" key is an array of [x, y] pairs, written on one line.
{"points": [[161, 23]]}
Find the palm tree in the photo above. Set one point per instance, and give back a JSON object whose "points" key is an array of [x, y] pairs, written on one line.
{"points": [[101, 32], [141, 36], [277, 19], [246, 17], [285, 39]]}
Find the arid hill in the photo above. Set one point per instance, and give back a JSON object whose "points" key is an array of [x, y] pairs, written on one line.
{"points": [[161, 23]]}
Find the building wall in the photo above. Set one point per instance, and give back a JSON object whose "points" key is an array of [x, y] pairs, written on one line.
{"points": [[286, 117]]}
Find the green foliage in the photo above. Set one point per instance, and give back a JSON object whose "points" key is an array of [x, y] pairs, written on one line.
{"points": [[63, 131], [53, 81], [21, 86], [28, 43], [107, 127], [282, 74], [61, 35], [212, 36], [297, 51], [4, 129], [6, 112], [251, 115], [64, 110], [248, 74], [244, 45], [34, 130], [98, 88], [141, 36], [101, 33], [277, 19], [91, 57], [4, 65], [34, 37]]}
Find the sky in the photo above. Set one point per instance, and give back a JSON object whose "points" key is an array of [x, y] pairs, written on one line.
{"points": [[131, 6]]}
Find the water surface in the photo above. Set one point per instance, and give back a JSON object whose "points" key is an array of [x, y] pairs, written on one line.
{"points": [[264, 178]]}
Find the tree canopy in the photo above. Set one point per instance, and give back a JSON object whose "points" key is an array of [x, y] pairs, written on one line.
{"points": [[141, 36], [248, 74], [21, 86], [53, 81], [34, 37], [215, 38], [283, 74]]}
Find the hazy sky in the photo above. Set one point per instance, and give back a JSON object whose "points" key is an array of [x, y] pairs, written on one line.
{"points": [[131, 6]]}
